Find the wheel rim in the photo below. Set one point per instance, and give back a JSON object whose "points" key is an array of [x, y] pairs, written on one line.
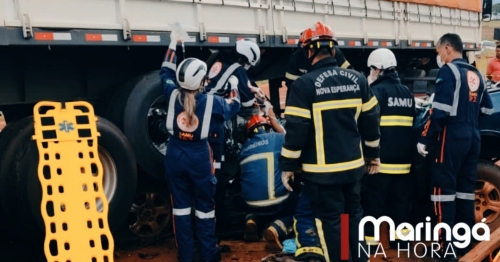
{"points": [[149, 215], [158, 135], [109, 178], [487, 202]]}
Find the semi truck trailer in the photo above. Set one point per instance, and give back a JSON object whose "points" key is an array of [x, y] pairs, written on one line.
{"points": [[108, 52]]}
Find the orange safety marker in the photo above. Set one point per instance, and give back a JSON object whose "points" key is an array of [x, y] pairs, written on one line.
{"points": [[70, 173]]}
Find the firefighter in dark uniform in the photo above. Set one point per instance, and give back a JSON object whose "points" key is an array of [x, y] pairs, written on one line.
{"points": [[233, 62], [392, 195], [188, 164], [329, 113], [298, 64], [453, 139]]}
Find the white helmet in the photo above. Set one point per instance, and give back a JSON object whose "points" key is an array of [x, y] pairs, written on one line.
{"points": [[190, 73], [382, 58], [249, 49]]}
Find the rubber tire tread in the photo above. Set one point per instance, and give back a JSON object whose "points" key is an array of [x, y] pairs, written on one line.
{"points": [[27, 191], [145, 92], [488, 171], [9, 153]]}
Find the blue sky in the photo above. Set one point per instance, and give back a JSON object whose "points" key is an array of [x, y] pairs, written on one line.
{"points": [[496, 1]]}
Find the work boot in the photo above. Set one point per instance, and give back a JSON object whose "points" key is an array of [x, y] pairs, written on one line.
{"points": [[273, 243], [251, 228]]}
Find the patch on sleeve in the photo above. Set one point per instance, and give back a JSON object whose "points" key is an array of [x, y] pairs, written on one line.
{"points": [[439, 80], [170, 82], [215, 70]]}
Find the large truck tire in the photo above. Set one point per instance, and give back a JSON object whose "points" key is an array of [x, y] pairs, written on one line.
{"points": [[487, 204], [7, 157], [24, 189], [139, 110]]}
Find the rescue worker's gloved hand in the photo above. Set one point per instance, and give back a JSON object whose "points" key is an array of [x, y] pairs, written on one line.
{"points": [[372, 165], [268, 108], [421, 149], [233, 85], [174, 37], [286, 177], [258, 92], [233, 82]]}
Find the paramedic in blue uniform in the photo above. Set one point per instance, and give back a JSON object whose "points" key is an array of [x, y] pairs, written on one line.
{"points": [[188, 162], [235, 63], [451, 136], [392, 195], [299, 64]]}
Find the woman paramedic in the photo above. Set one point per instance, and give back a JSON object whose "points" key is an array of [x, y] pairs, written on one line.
{"points": [[188, 161]]}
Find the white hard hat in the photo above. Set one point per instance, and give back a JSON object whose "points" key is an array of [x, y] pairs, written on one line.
{"points": [[190, 73], [249, 49], [382, 58]]}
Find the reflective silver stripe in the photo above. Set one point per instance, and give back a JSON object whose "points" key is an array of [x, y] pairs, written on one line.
{"points": [[207, 116], [374, 143], [248, 103], [466, 196], [443, 107], [291, 76], [223, 79], [203, 215], [217, 165], [458, 83], [487, 111], [267, 202], [181, 211], [171, 112], [222, 158], [169, 65], [442, 198]]}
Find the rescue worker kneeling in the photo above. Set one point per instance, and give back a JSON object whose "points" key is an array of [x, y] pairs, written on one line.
{"points": [[188, 161], [387, 193], [262, 190]]}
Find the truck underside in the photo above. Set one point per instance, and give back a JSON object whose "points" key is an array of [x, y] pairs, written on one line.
{"points": [[109, 53]]}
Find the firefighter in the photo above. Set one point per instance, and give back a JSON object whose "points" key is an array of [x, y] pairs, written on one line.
{"points": [[188, 164], [263, 148], [298, 64], [452, 137], [307, 241], [233, 62], [392, 195], [330, 111], [261, 187]]}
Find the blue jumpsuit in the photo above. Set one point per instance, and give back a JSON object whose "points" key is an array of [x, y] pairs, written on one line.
{"points": [[264, 192], [218, 85], [261, 186], [188, 164], [453, 140]]}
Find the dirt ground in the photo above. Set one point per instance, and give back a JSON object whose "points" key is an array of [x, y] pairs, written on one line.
{"points": [[240, 252]]}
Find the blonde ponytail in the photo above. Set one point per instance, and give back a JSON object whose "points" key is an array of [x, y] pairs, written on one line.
{"points": [[189, 104]]}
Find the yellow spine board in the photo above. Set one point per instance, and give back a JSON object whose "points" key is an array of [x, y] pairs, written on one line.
{"points": [[74, 207]]}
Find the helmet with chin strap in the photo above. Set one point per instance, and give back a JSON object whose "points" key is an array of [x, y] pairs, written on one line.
{"points": [[248, 49], [190, 73], [318, 37], [255, 122], [382, 58]]}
